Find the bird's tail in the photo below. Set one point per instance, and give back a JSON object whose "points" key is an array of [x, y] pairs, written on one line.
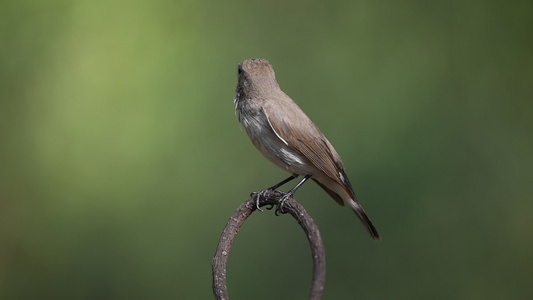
{"points": [[360, 212]]}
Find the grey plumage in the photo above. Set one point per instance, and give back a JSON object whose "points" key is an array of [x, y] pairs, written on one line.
{"points": [[284, 134]]}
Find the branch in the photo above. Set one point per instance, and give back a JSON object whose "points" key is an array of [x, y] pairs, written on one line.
{"points": [[237, 219]]}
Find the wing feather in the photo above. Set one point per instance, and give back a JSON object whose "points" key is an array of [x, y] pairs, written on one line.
{"points": [[302, 135]]}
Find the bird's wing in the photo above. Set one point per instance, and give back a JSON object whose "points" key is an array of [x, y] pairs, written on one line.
{"points": [[304, 137]]}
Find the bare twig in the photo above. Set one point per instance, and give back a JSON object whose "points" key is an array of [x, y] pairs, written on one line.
{"points": [[237, 219]]}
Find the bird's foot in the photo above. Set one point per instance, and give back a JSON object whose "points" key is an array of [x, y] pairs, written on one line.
{"points": [[265, 193], [257, 196], [281, 203]]}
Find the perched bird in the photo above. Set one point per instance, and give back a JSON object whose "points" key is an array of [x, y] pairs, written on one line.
{"points": [[286, 136]]}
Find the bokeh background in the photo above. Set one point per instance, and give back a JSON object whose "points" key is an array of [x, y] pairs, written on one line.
{"points": [[121, 158]]}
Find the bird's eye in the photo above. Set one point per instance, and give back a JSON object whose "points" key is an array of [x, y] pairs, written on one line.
{"points": [[240, 70]]}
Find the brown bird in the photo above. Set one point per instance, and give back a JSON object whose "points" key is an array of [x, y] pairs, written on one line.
{"points": [[286, 136]]}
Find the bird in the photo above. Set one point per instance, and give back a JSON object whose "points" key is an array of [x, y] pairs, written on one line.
{"points": [[287, 137]]}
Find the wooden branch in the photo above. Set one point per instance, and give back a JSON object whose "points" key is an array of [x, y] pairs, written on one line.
{"points": [[237, 219]]}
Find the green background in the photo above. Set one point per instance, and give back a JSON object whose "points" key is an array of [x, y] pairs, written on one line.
{"points": [[121, 158]]}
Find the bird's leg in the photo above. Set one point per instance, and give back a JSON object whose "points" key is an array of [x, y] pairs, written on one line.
{"points": [[274, 187], [281, 202], [262, 193]]}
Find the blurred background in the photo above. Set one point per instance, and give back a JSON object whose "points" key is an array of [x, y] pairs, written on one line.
{"points": [[121, 158]]}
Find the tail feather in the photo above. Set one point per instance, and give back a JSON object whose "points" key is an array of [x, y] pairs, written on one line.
{"points": [[360, 212]]}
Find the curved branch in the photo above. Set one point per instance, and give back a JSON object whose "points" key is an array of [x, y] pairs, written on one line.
{"points": [[290, 206]]}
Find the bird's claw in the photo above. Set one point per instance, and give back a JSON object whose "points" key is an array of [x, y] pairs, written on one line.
{"points": [[281, 203], [258, 195], [279, 206]]}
